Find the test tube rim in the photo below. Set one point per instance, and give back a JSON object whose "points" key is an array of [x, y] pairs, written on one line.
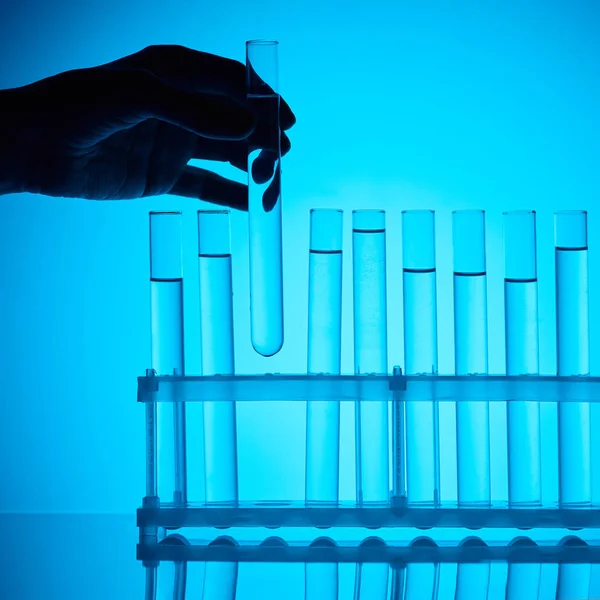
{"points": [[165, 212], [519, 211], [571, 212], [465, 211], [214, 212], [380, 212], [582, 214], [413, 211], [322, 210], [261, 42]]}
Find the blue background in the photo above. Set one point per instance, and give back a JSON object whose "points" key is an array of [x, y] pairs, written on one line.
{"points": [[399, 104]]}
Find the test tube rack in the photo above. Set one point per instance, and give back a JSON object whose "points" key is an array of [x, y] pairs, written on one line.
{"points": [[374, 450], [289, 394]]}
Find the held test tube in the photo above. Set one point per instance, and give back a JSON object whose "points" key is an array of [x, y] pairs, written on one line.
{"points": [[370, 352], [264, 201], [324, 353], [166, 293], [572, 342], [420, 353], [522, 356], [471, 355], [216, 330]]}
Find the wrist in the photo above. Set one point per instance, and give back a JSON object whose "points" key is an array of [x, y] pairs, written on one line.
{"points": [[12, 151]]}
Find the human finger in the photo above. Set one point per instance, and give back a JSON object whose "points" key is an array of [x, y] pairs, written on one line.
{"points": [[233, 152], [206, 115], [204, 185], [197, 71]]}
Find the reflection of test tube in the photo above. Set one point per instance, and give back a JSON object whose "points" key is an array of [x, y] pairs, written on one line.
{"points": [[523, 581], [324, 352], [572, 342], [166, 292], [471, 354], [522, 356], [170, 581], [370, 352], [321, 580], [264, 201], [472, 581], [220, 581], [216, 330], [420, 353], [574, 581], [371, 581], [422, 581]]}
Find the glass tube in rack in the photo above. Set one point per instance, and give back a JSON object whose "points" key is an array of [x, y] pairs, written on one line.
{"points": [[370, 352], [166, 293], [324, 353], [522, 356], [573, 349], [471, 355], [264, 199], [216, 330], [420, 353]]}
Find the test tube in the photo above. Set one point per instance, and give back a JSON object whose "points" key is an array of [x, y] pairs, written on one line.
{"points": [[420, 353], [216, 331], [264, 200], [471, 355], [573, 347], [324, 353], [522, 356], [370, 352], [166, 308]]}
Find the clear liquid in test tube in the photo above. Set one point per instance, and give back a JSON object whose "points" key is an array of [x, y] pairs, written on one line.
{"points": [[573, 347], [324, 353], [471, 355], [166, 308], [264, 200], [370, 352], [216, 331], [522, 356], [420, 354]]}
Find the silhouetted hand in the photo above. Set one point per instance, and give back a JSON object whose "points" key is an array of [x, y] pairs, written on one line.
{"points": [[127, 129]]}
